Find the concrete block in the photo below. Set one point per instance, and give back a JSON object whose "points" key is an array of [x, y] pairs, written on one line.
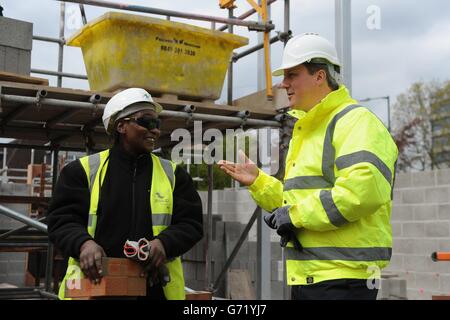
{"points": [[2, 57], [425, 212], [275, 250], [444, 283], [397, 288], [396, 262], [16, 33], [3, 268], [383, 292], [403, 246], [200, 272], [444, 245], [189, 270], [423, 178], [428, 281], [413, 196], [444, 211], [418, 263], [403, 180], [443, 177], [276, 292], [437, 229], [396, 229], [437, 195], [15, 267], [413, 229], [11, 60], [24, 65], [402, 213]]}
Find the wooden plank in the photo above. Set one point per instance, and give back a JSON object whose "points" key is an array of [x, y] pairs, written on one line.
{"points": [[240, 286], [14, 77]]}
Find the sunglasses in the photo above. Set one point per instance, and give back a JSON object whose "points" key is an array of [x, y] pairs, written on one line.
{"points": [[146, 122]]}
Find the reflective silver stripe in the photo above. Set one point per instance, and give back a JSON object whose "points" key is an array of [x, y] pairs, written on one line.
{"points": [[161, 219], [329, 152], [306, 182], [167, 167], [338, 253], [94, 164], [333, 213], [92, 219], [364, 156]]}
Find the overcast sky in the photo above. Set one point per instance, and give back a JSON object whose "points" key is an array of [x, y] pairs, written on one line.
{"points": [[411, 44]]}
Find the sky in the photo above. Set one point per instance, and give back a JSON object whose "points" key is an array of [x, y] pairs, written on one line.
{"points": [[394, 42]]}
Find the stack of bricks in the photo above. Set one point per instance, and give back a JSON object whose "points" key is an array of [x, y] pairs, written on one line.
{"points": [[121, 278]]}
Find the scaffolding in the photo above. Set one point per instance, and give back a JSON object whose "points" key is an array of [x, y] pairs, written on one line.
{"points": [[63, 119]]}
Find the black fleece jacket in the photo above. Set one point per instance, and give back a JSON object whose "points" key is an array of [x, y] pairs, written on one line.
{"points": [[69, 208]]}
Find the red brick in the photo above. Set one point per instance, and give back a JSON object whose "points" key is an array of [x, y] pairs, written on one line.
{"points": [[110, 286], [199, 295], [121, 267]]}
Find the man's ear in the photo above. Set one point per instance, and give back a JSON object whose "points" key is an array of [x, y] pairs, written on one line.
{"points": [[321, 77], [120, 127]]}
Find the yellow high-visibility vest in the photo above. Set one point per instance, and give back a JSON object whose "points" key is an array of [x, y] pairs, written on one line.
{"points": [[161, 203], [338, 181]]}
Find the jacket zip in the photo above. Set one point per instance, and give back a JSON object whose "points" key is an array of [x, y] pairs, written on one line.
{"points": [[133, 204]]}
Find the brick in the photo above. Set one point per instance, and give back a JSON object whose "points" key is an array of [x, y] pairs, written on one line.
{"points": [[199, 295], [121, 267], [413, 229], [444, 211], [425, 212], [402, 213], [397, 196], [423, 178], [437, 195], [413, 196], [110, 286], [437, 229]]}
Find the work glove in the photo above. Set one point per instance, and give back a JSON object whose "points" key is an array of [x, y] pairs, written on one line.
{"points": [[281, 221]]}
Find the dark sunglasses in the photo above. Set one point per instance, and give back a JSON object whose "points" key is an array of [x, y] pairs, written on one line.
{"points": [[146, 122]]}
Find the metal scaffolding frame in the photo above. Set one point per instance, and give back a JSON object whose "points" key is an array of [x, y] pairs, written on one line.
{"points": [[56, 106]]}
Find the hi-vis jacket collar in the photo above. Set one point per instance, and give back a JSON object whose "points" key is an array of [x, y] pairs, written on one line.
{"points": [[328, 104]]}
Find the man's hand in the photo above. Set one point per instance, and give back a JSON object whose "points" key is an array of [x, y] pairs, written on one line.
{"points": [[156, 258], [245, 172], [279, 220], [91, 260]]}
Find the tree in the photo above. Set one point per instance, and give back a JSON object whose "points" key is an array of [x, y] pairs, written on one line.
{"points": [[412, 124]]}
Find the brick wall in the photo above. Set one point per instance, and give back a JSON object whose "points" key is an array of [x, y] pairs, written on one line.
{"points": [[421, 225]]}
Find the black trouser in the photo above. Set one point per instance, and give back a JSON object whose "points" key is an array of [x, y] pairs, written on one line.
{"points": [[340, 289]]}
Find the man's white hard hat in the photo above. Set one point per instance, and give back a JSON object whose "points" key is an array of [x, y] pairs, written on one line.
{"points": [[305, 47], [116, 106]]}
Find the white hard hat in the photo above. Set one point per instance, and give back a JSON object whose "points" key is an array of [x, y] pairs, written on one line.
{"points": [[305, 47], [124, 99]]}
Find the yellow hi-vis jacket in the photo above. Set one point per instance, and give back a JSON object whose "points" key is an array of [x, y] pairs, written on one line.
{"points": [[338, 183], [163, 183]]}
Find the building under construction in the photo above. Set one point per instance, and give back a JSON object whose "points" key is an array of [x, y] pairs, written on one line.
{"points": [[45, 127]]}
